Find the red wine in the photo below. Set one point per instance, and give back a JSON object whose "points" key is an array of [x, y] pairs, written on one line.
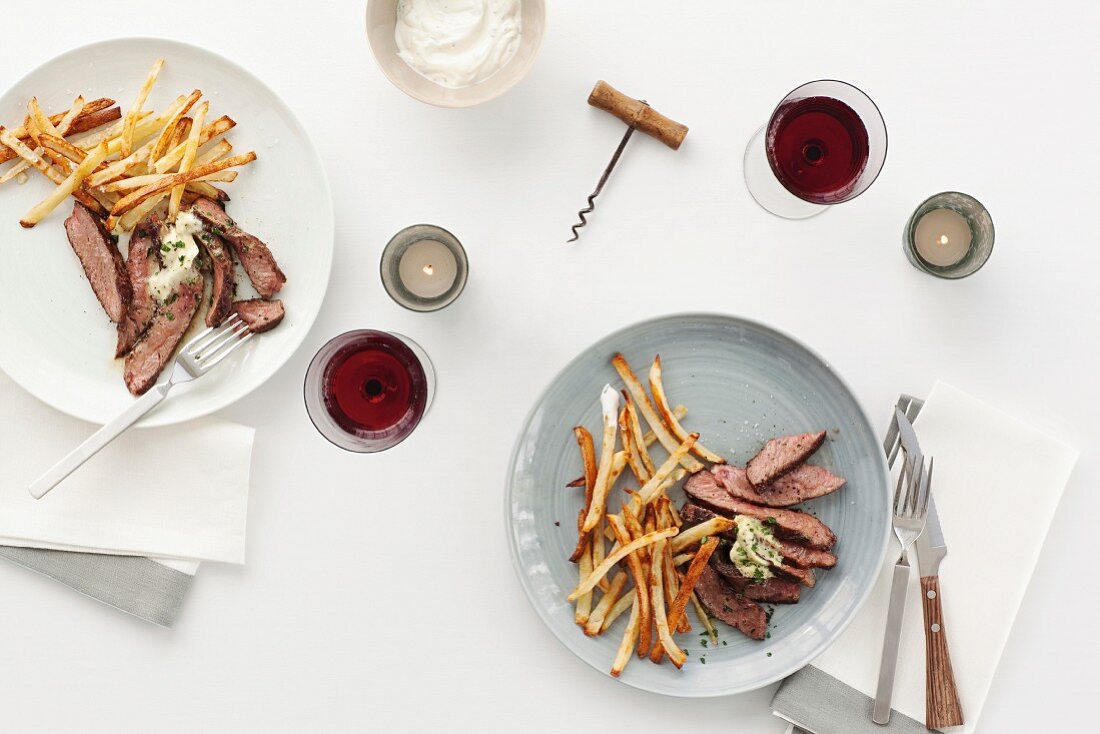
{"points": [[817, 148], [375, 385]]}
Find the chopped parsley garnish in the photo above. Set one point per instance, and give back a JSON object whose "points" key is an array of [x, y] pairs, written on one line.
{"points": [[165, 248], [171, 316], [770, 521], [723, 642], [171, 299], [703, 660], [182, 258], [178, 245]]}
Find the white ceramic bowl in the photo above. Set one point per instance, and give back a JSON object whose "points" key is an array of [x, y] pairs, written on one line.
{"points": [[381, 21]]}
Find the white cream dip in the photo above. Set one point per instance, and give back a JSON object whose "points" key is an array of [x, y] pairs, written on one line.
{"points": [[178, 251], [457, 43]]}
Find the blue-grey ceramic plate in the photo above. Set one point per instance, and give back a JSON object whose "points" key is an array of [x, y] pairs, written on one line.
{"points": [[742, 383]]}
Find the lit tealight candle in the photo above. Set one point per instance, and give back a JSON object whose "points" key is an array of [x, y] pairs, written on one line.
{"points": [[950, 235], [424, 267], [942, 237], [428, 269]]}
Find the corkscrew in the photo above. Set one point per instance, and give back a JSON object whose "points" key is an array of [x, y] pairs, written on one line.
{"points": [[638, 115]]}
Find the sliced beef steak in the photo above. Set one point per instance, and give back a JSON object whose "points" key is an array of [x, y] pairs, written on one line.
{"points": [[804, 576], [253, 254], [154, 350], [802, 483], [725, 603], [223, 285], [141, 263], [705, 487], [770, 591], [788, 524], [101, 261], [803, 557], [780, 455], [258, 314]]}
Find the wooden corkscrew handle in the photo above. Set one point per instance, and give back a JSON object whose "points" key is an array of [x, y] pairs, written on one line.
{"points": [[942, 707], [637, 114]]}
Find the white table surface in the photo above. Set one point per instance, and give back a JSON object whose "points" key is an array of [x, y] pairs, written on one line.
{"points": [[345, 620]]}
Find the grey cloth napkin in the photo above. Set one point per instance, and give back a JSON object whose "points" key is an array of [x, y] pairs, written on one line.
{"points": [[133, 584], [834, 707]]}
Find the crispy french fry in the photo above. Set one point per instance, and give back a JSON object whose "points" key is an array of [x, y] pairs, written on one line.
{"points": [[131, 200], [652, 489], [693, 535], [64, 147], [634, 563], [65, 189], [682, 558], [595, 621], [131, 219], [584, 601], [61, 169], [218, 127], [60, 128], [632, 449], [222, 148], [625, 602], [92, 112], [600, 571], [679, 602], [188, 160], [657, 599], [638, 440], [650, 437], [657, 388], [588, 459], [646, 408], [609, 401], [136, 182], [127, 145], [599, 551], [675, 514], [622, 655], [164, 140]]}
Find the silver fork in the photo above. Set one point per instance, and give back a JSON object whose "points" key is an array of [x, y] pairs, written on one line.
{"points": [[200, 355], [910, 513]]}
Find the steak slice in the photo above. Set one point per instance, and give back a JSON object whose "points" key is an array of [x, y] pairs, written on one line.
{"points": [[705, 487], [770, 591], [802, 483], [221, 265], [789, 524], [780, 455], [253, 254], [724, 603], [142, 262], [101, 260], [804, 576], [259, 315], [154, 350], [803, 557]]}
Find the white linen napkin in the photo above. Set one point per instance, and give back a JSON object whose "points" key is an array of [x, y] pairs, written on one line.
{"points": [[988, 465], [178, 493]]}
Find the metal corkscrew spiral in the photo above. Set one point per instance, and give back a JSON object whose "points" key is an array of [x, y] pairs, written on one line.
{"points": [[599, 186]]}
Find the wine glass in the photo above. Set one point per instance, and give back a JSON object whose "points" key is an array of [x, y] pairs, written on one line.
{"points": [[824, 144], [367, 391]]}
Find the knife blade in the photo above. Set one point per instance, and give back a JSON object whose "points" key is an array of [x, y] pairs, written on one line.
{"points": [[931, 548]]}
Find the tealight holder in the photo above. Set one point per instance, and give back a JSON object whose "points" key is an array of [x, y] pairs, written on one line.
{"points": [[424, 268], [935, 237]]}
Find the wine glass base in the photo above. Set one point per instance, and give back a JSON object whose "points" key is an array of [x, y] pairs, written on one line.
{"points": [[766, 189]]}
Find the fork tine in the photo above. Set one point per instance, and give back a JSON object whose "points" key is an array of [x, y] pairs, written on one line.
{"points": [[926, 488], [901, 483], [208, 363], [914, 491], [224, 337], [892, 442], [209, 334]]}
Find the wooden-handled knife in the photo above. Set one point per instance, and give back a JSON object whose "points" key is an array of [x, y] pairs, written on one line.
{"points": [[942, 707]]}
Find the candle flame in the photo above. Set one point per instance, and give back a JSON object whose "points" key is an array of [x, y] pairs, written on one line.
{"points": [[428, 270], [944, 239]]}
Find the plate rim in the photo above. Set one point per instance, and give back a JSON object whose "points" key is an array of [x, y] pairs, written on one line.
{"points": [[508, 491], [153, 419]]}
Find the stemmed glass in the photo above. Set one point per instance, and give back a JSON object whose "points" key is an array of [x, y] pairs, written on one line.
{"points": [[824, 144], [367, 391]]}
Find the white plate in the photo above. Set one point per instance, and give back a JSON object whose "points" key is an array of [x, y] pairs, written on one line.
{"points": [[55, 339]]}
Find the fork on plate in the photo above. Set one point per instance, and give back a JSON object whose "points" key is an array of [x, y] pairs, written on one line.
{"points": [[910, 512], [200, 355]]}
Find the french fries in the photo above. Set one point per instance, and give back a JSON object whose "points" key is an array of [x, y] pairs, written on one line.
{"points": [[646, 407], [127, 144], [65, 188], [639, 573], [658, 389], [151, 155]]}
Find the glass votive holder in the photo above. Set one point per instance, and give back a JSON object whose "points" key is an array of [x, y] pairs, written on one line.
{"points": [[950, 235], [424, 268], [366, 391]]}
